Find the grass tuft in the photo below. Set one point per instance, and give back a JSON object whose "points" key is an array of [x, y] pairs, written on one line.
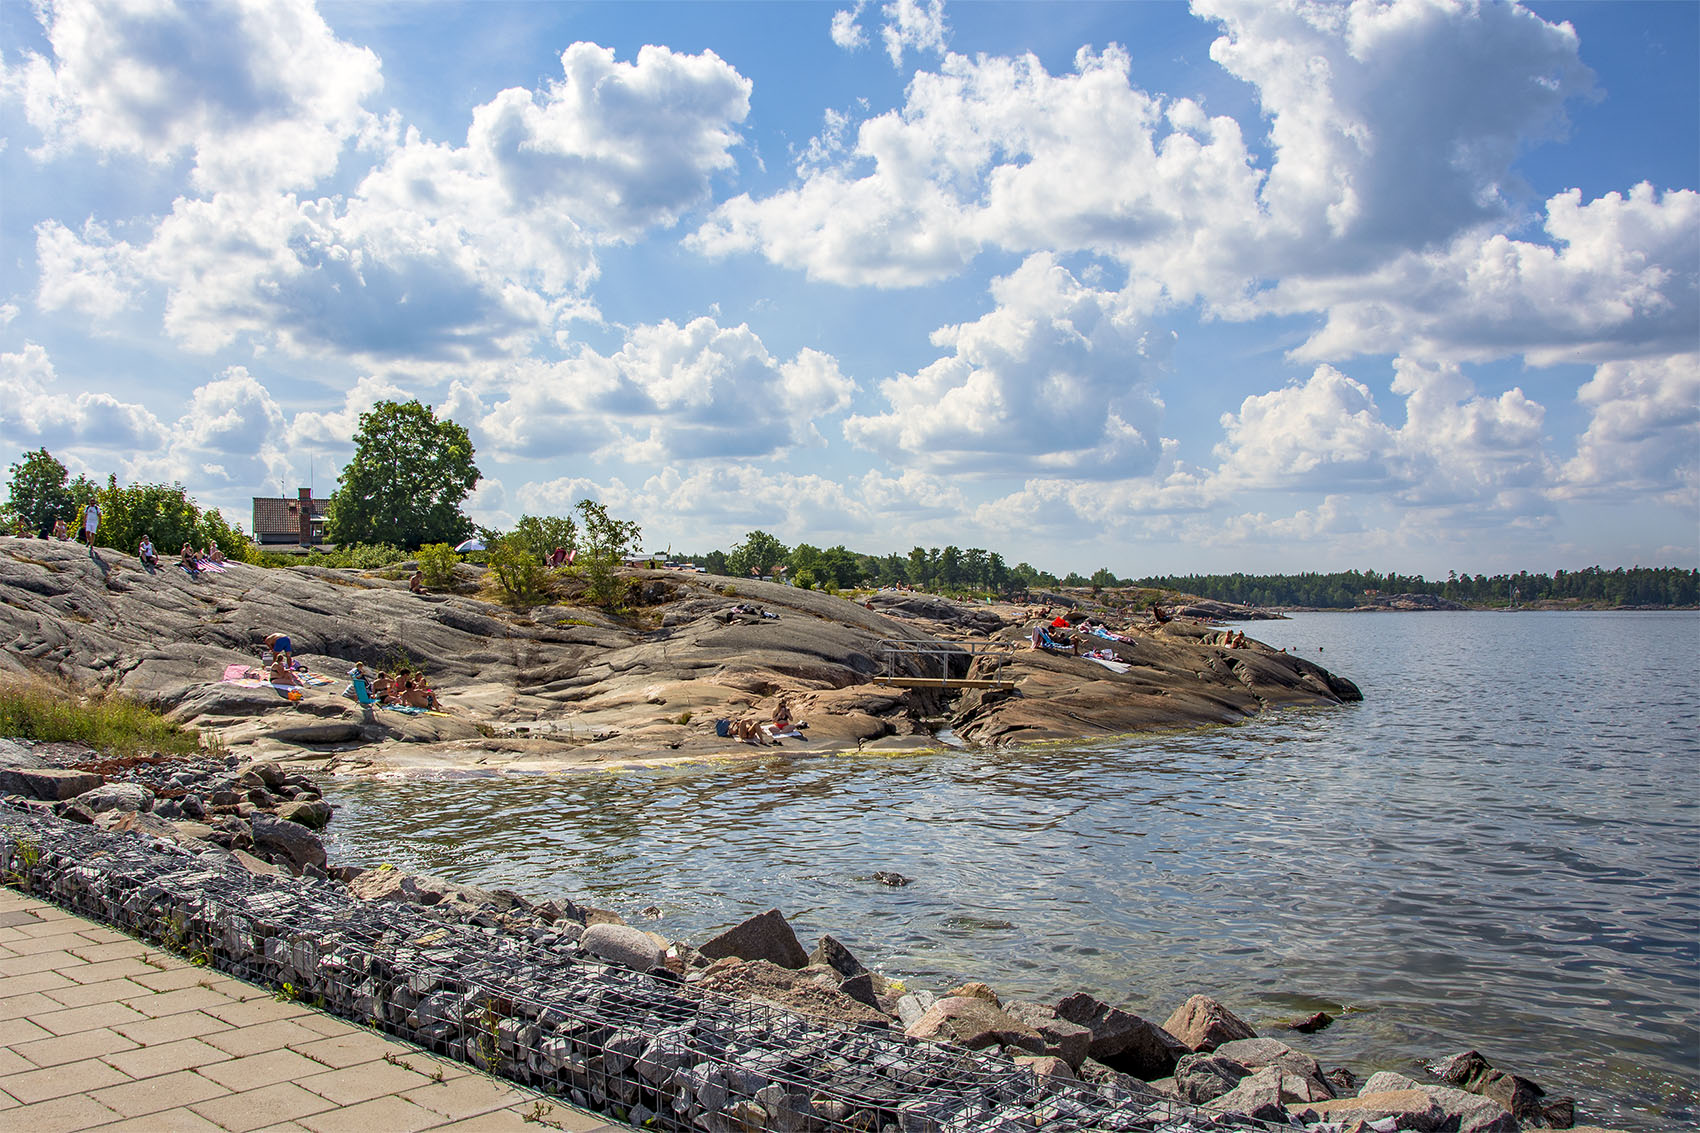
{"points": [[50, 711]]}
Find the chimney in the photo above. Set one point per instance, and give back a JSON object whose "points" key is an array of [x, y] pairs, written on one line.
{"points": [[304, 516]]}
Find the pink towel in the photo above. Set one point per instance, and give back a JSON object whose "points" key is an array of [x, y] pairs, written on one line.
{"points": [[237, 673]]}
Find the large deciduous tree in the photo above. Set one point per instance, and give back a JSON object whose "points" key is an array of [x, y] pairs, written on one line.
{"points": [[38, 492], [407, 480], [757, 555]]}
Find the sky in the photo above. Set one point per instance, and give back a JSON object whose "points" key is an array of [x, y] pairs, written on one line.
{"points": [[1245, 285]]}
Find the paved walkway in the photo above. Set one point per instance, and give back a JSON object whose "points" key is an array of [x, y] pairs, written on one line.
{"points": [[101, 1031]]}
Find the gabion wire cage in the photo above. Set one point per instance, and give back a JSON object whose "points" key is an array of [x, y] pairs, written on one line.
{"points": [[653, 1052]]}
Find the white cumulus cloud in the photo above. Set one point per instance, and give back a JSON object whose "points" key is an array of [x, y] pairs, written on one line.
{"points": [[36, 411], [1643, 435], [1057, 379]]}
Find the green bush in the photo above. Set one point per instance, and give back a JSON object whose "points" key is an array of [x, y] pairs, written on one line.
{"points": [[437, 563], [804, 579], [518, 574]]}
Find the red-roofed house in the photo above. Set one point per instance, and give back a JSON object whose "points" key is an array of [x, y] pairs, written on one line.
{"points": [[282, 520]]}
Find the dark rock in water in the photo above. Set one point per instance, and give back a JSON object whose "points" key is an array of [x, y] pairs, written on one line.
{"points": [[1310, 1024], [886, 877], [764, 937], [1122, 1040], [1203, 1024], [1342, 1079], [837, 957], [49, 783], [1471, 1071], [315, 814], [975, 1024], [298, 845]]}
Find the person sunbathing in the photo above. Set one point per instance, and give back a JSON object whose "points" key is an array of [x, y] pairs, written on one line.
{"points": [[282, 676], [416, 582], [145, 552], [418, 695], [781, 717], [215, 555], [189, 562], [749, 731], [60, 531]]}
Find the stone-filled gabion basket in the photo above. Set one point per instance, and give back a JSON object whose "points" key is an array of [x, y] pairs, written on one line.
{"points": [[643, 1049]]}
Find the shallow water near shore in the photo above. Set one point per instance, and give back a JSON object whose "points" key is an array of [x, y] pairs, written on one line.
{"points": [[1497, 849]]}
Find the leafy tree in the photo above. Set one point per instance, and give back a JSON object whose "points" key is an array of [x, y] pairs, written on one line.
{"points": [[543, 534], [39, 494], [605, 543], [168, 515], [804, 579], [407, 480], [757, 555]]}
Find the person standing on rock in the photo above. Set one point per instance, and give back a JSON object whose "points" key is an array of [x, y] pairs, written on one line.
{"points": [[91, 522]]}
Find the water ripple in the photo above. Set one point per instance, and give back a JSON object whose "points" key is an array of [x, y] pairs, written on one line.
{"points": [[1497, 848]]}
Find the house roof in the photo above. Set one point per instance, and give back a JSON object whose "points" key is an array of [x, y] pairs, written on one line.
{"points": [[280, 515]]}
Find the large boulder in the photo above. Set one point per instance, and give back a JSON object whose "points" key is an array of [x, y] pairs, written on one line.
{"points": [[1255, 1054], [813, 994], [117, 796], [764, 937], [1122, 1040], [1263, 1096], [1473, 1072], [974, 1023], [315, 814], [49, 783], [1065, 1040], [294, 844], [624, 945], [1472, 1112], [1202, 1077], [837, 957], [1408, 1109], [1204, 1024]]}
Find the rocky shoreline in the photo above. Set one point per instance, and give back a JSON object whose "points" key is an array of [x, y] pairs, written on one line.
{"points": [[557, 686], [258, 821]]}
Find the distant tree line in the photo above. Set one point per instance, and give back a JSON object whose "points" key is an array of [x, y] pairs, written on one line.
{"points": [[1633, 586]]}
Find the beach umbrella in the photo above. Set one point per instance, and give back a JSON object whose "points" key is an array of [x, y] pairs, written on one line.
{"points": [[472, 544]]}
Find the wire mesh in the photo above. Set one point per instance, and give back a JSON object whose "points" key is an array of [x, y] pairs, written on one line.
{"points": [[651, 1051]]}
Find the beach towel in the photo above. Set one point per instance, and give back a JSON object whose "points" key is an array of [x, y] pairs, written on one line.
{"points": [[1113, 666], [234, 673]]}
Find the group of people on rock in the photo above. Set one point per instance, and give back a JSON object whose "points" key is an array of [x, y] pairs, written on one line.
{"points": [[403, 688], [61, 530], [754, 730]]}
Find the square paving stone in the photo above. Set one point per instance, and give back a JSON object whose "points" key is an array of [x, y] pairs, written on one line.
{"points": [[151, 1095], [57, 961], [174, 1120], [189, 1024], [57, 1081], [56, 1050], [262, 1070], [392, 1114], [74, 1019], [155, 1004], [363, 1082], [107, 991], [350, 1048], [242, 1041], [184, 1054], [256, 1011], [61, 1115], [108, 970], [255, 1109]]}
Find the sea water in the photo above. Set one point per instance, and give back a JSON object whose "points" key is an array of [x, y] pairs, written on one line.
{"points": [[1498, 848]]}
